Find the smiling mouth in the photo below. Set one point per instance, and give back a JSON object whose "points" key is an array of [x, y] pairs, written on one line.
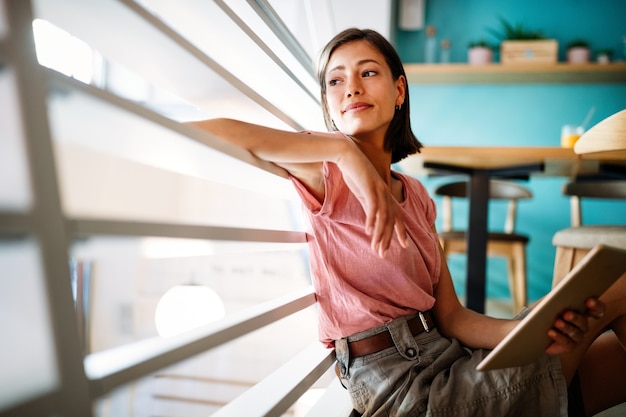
{"points": [[356, 107]]}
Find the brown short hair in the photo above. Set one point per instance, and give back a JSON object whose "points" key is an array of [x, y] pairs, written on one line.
{"points": [[399, 139]]}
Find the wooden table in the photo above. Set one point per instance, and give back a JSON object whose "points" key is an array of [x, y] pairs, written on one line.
{"points": [[483, 163]]}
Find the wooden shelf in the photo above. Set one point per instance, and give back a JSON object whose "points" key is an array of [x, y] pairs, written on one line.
{"points": [[561, 73]]}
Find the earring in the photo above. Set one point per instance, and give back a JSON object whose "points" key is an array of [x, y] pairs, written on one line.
{"points": [[398, 107]]}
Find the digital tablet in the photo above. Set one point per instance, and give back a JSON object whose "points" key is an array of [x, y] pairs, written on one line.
{"points": [[593, 275]]}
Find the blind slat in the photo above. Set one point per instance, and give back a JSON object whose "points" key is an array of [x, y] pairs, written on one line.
{"points": [[114, 367], [274, 394]]}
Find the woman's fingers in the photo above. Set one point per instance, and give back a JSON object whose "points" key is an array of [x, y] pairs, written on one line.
{"points": [[387, 223], [565, 335], [382, 212], [383, 230], [401, 233], [595, 308], [570, 328], [573, 326]]}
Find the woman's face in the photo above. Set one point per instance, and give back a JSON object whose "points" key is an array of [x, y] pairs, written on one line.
{"points": [[361, 94]]}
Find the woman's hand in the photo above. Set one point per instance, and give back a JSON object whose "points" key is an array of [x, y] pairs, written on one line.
{"points": [[571, 326], [383, 216]]}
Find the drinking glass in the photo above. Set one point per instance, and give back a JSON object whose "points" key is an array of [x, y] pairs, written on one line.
{"points": [[570, 134]]}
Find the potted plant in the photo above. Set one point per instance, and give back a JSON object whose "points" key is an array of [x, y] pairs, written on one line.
{"points": [[603, 56], [479, 53], [578, 51], [522, 45]]}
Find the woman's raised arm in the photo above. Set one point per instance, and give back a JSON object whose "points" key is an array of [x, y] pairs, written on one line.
{"points": [[302, 156]]}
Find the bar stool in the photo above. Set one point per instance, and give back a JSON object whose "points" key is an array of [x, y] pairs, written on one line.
{"points": [[573, 243], [507, 243]]}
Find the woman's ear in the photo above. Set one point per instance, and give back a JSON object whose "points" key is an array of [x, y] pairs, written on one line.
{"points": [[401, 86]]}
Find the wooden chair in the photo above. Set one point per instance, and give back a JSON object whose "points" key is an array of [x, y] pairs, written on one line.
{"points": [[573, 243], [507, 243]]}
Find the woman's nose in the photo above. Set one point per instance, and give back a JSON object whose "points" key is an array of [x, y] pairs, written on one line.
{"points": [[353, 88]]}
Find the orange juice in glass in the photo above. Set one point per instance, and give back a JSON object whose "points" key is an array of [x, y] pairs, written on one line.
{"points": [[570, 134]]}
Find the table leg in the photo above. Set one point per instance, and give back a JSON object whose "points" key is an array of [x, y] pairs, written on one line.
{"points": [[477, 241]]}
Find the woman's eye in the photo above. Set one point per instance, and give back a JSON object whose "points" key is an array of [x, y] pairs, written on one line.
{"points": [[333, 82], [369, 73]]}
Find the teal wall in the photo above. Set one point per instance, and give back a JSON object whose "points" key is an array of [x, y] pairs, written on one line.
{"points": [[528, 114], [601, 22]]}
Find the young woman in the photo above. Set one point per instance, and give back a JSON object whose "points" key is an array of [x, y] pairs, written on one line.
{"points": [[405, 345]]}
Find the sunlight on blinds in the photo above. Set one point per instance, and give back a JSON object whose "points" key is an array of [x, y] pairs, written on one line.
{"points": [[62, 52]]}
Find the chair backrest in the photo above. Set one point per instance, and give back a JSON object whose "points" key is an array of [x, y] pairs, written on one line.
{"points": [[602, 189], [498, 190], [607, 135]]}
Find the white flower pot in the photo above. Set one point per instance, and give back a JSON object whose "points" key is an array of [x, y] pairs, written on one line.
{"points": [[578, 55], [479, 55]]}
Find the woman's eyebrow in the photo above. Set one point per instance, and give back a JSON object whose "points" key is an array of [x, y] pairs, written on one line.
{"points": [[359, 63], [368, 61]]}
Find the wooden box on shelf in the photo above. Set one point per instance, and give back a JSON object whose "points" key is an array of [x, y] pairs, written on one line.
{"points": [[529, 51]]}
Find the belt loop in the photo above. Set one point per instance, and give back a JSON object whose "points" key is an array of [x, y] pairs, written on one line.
{"points": [[424, 322], [342, 354]]}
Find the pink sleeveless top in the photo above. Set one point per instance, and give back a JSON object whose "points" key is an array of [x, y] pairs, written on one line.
{"points": [[355, 288]]}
